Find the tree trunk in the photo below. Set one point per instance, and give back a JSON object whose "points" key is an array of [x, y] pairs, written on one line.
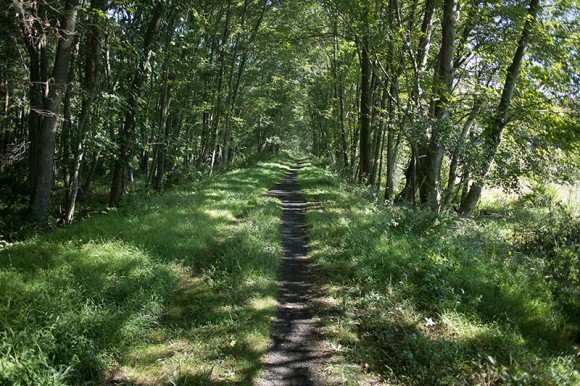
{"points": [[378, 140], [365, 113], [92, 53], [127, 135], [235, 88], [35, 39], [44, 170], [449, 192], [391, 144], [443, 82], [493, 132], [419, 60], [163, 129], [219, 97]]}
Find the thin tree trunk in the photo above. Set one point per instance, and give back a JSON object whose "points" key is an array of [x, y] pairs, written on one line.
{"points": [[493, 132], [219, 97], [44, 178], [236, 87], [160, 157], [365, 113], [449, 192], [419, 60], [443, 82], [163, 129], [391, 145], [127, 134], [92, 53], [378, 140]]}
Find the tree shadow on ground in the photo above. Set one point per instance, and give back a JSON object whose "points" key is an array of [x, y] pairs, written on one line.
{"points": [[389, 278], [195, 267]]}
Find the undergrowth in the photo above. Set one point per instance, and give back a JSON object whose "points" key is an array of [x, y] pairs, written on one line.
{"points": [[169, 289], [418, 298]]}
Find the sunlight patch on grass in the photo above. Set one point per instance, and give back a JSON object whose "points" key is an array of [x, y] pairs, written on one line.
{"points": [[149, 293], [418, 298], [219, 214], [266, 303]]}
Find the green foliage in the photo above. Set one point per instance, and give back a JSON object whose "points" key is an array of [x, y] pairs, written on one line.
{"points": [[416, 298], [158, 289], [550, 237]]}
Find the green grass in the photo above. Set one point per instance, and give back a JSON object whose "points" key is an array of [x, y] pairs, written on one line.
{"points": [[171, 289], [414, 298]]}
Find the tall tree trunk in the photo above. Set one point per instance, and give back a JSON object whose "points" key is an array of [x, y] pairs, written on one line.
{"points": [[92, 53], [414, 174], [365, 112], [44, 170], [235, 88], [378, 139], [339, 95], [443, 82], [391, 144], [158, 168], [127, 135], [219, 91], [424, 46], [163, 129], [493, 132], [35, 40], [449, 192]]}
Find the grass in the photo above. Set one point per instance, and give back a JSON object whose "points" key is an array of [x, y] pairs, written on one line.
{"points": [[172, 289], [179, 289], [413, 298]]}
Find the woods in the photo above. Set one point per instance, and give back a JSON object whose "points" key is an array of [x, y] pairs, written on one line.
{"points": [[451, 74], [139, 90], [427, 101], [440, 145]]}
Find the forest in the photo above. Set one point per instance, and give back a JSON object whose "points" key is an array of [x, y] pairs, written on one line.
{"points": [[440, 150]]}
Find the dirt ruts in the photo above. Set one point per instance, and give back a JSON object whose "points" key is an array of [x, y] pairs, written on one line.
{"points": [[295, 356]]}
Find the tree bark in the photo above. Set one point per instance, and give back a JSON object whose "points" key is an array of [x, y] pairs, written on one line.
{"points": [[414, 174], [220, 81], [493, 132], [365, 112], [44, 170], [391, 145], [443, 82], [127, 136], [92, 53], [450, 191], [163, 129]]}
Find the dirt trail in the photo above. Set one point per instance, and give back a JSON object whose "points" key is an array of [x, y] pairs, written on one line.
{"points": [[295, 356]]}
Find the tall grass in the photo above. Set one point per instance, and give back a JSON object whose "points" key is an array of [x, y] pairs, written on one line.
{"points": [[171, 289], [415, 298]]}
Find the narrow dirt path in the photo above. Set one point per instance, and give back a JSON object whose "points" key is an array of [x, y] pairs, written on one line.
{"points": [[295, 356]]}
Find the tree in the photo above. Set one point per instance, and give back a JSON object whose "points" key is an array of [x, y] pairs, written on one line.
{"points": [[126, 135], [44, 126], [493, 132]]}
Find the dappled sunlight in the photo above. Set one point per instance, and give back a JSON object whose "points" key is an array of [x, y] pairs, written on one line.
{"points": [[219, 214], [266, 303], [161, 292], [417, 298]]}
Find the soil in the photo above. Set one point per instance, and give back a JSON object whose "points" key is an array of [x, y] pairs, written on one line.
{"points": [[295, 357]]}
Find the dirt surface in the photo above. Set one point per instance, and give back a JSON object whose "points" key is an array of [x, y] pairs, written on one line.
{"points": [[296, 356]]}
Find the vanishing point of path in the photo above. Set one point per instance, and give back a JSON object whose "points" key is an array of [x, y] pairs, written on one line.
{"points": [[295, 356]]}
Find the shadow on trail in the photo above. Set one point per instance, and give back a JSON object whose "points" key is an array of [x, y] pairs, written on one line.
{"points": [[294, 358]]}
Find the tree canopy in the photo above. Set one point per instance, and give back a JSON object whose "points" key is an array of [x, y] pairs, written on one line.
{"points": [[427, 101]]}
